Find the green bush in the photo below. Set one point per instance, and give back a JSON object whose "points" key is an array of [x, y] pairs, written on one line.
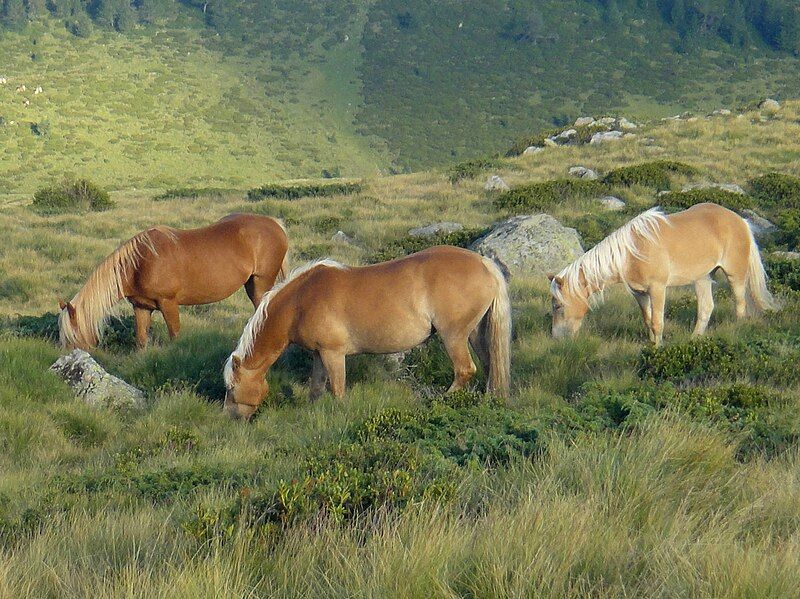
{"points": [[408, 245], [686, 199], [472, 168], [537, 139], [776, 190], [545, 195], [655, 174], [788, 222], [593, 228], [71, 196], [187, 193], [783, 272], [294, 191]]}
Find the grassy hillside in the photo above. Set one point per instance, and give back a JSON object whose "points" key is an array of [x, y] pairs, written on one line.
{"points": [[613, 470]]}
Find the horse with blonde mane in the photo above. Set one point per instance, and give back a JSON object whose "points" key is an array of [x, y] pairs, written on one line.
{"points": [[655, 251], [335, 311], [163, 268]]}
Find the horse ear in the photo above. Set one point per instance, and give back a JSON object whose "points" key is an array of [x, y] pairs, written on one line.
{"points": [[236, 363], [71, 309], [559, 280], [61, 305], [551, 276]]}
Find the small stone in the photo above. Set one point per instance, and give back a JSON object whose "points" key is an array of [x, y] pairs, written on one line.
{"points": [[565, 136], [604, 136], [721, 112], [787, 255], [496, 183], [548, 142], [342, 237], [611, 203], [760, 226], [532, 150], [730, 187], [582, 173], [625, 125], [607, 120], [770, 106], [584, 121], [435, 229], [94, 385]]}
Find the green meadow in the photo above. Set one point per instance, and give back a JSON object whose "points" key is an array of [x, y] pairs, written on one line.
{"points": [[614, 469]]}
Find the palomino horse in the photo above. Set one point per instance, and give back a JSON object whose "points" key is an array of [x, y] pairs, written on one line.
{"points": [[655, 251], [163, 268], [335, 310]]}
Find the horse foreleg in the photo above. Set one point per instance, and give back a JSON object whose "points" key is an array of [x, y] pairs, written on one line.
{"points": [[705, 304], [318, 378], [169, 309], [657, 299], [143, 317], [463, 366], [645, 305], [333, 362], [739, 290]]}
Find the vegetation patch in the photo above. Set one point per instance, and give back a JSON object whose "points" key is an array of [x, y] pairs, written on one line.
{"points": [[545, 195], [656, 174], [409, 245], [71, 195], [188, 193], [776, 191], [783, 273], [593, 228], [294, 191], [681, 200], [472, 168]]}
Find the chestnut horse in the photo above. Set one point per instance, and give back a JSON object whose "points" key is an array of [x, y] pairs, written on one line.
{"points": [[655, 251], [335, 311], [163, 268]]}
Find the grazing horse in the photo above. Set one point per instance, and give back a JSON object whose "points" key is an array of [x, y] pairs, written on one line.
{"points": [[163, 268], [655, 251], [335, 311]]}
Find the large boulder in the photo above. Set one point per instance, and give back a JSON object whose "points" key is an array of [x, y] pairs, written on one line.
{"points": [[94, 385], [761, 227], [584, 121], [611, 203], [581, 172], [530, 150], [605, 136], [532, 244], [436, 229]]}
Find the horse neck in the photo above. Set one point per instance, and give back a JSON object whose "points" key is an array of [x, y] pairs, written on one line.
{"points": [[272, 338]]}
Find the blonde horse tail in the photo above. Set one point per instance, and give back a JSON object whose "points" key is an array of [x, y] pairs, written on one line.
{"points": [[284, 271], [498, 331], [758, 293]]}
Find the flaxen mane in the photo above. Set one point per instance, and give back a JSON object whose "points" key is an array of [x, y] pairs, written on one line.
{"points": [[610, 257], [248, 338], [95, 302]]}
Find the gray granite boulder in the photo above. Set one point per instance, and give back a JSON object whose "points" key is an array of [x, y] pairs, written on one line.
{"points": [[770, 106], [605, 136], [584, 121], [496, 183], [760, 226], [581, 172], [530, 245], [611, 203], [731, 187], [532, 150], [436, 229], [94, 385]]}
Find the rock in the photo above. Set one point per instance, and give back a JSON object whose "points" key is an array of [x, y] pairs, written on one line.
{"points": [[760, 226], [435, 229], [582, 172], [531, 244], [565, 136], [604, 136], [624, 124], [721, 112], [548, 142], [770, 106], [94, 385], [342, 237], [496, 183], [787, 255], [532, 150], [584, 121], [607, 120], [611, 203], [731, 187]]}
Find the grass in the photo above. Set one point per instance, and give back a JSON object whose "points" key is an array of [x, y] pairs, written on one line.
{"points": [[613, 470]]}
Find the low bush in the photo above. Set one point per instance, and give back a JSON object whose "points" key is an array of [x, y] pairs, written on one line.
{"points": [[71, 196], [656, 174], [187, 193], [545, 195], [537, 139], [593, 228], [409, 245], [685, 199], [472, 168], [294, 191], [775, 190], [788, 234], [783, 272]]}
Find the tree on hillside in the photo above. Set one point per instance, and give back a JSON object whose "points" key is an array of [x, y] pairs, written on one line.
{"points": [[13, 14]]}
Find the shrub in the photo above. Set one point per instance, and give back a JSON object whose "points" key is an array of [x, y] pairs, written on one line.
{"points": [[783, 272], [72, 196], [408, 245], [593, 228], [655, 174], [472, 168], [686, 199], [294, 191], [537, 139], [788, 222], [545, 195], [775, 190], [187, 193]]}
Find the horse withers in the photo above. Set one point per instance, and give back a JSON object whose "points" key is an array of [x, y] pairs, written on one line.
{"points": [[163, 268], [335, 311], [655, 251]]}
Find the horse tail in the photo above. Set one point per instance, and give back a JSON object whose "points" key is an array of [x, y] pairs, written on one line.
{"points": [[82, 320], [758, 294], [284, 271], [498, 331]]}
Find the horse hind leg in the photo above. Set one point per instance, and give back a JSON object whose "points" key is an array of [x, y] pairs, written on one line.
{"points": [[479, 342], [319, 377], [705, 304], [463, 367], [256, 286], [333, 362]]}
